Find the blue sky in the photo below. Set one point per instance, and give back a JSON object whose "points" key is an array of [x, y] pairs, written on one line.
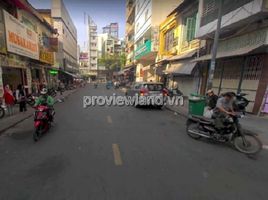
{"points": [[103, 12]]}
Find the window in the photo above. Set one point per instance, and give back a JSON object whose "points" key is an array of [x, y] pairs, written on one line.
{"points": [[190, 28], [169, 39]]}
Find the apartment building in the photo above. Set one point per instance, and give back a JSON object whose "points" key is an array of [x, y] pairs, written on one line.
{"points": [[112, 29], [148, 15]]}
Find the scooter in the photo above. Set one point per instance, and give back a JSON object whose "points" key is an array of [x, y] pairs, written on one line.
{"points": [[2, 110], [42, 121]]}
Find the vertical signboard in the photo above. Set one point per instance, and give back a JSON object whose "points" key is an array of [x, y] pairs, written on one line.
{"points": [[2, 33]]}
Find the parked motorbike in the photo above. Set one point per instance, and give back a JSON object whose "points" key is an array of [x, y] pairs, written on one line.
{"points": [[31, 100], [52, 92], [200, 127], [42, 121], [2, 110]]}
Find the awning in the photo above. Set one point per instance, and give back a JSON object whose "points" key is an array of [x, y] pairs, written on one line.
{"points": [[182, 56], [183, 68], [73, 75], [225, 54]]}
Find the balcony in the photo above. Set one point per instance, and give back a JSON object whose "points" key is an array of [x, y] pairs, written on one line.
{"points": [[236, 15]]}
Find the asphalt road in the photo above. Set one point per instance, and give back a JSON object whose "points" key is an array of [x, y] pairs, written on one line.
{"points": [[123, 153]]}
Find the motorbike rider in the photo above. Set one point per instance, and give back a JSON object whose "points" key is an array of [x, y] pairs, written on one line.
{"points": [[45, 99], [224, 108], [212, 99]]}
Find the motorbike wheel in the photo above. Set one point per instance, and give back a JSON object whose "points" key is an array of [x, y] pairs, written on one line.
{"points": [[192, 126], [2, 112], [37, 134], [248, 144]]}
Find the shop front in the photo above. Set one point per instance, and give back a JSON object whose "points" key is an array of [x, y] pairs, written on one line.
{"points": [[241, 66]]}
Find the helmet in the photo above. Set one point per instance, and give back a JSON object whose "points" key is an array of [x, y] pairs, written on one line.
{"points": [[44, 91]]}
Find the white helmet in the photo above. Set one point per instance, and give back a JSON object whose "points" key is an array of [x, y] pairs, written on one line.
{"points": [[44, 91]]}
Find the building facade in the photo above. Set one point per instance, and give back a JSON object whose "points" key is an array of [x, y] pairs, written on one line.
{"points": [[241, 64], [148, 15], [112, 29], [31, 64], [67, 55]]}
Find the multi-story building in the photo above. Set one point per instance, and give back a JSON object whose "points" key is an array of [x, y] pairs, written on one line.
{"points": [[109, 45], [178, 47], [67, 54], [20, 64], [242, 59], [92, 44], [148, 15], [130, 31], [112, 29]]}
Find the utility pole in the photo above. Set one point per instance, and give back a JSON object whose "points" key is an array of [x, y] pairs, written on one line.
{"points": [[215, 47]]}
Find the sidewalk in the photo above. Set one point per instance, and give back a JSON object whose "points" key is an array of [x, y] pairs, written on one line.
{"points": [[10, 121], [252, 123]]}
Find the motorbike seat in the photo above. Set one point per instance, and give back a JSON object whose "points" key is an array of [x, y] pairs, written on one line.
{"points": [[203, 119]]}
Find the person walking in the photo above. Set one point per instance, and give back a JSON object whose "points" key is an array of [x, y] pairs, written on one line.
{"points": [[9, 100], [21, 97]]}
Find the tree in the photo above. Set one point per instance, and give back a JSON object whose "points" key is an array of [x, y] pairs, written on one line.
{"points": [[112, 62]]}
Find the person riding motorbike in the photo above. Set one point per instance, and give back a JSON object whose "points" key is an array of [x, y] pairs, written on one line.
{"points": [[45, 99], [223, 109]]}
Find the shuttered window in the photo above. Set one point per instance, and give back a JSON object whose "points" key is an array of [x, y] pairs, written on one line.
{"points": [[190, 28]]}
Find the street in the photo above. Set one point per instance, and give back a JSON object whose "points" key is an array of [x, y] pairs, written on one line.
{"points": [[123, 153]]}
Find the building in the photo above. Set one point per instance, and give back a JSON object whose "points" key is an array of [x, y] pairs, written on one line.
{"points": [[178, 48], [109, 45], [242, 60], [148, 15], [112, 29], [67, 59], [130, 31], [30, 65]]}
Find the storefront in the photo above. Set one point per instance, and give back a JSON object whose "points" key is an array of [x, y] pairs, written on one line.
{"points": [[241, 66]]}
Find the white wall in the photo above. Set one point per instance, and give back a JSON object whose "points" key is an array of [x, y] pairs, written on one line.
{"points": [[142, 24]]}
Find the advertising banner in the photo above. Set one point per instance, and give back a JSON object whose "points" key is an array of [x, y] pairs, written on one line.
{"points": [[20, 39]]}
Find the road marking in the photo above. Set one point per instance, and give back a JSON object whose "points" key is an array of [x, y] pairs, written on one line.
{"points": [[109, 119], [117, 155], [265, 147]]}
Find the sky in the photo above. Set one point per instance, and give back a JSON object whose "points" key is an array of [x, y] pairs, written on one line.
{"points": [[103, 12]]}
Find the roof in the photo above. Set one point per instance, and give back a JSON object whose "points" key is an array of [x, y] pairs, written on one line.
{"points": [[182, 56]]}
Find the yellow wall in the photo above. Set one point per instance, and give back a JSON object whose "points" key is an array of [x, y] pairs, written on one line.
{"points": [[182, 47]]}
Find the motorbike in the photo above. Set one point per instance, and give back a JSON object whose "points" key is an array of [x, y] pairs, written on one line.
{"points": [[198, 127], [2, 110], [42, 121], [31, 100]]}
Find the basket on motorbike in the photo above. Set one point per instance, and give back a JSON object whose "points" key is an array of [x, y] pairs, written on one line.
{"points": [[197, 104]]}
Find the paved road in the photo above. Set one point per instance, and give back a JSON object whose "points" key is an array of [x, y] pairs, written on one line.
{"points": [[123, 153]]}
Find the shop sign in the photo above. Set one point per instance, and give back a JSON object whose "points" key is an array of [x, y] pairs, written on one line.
{"points": [[20, 39], [46, 57], [2, 34], [83, 56], [143, 49], [53, 72], [155, 38], [53, 44]]}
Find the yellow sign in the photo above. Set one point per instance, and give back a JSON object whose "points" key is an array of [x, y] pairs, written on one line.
{"points": [[46, 57]]}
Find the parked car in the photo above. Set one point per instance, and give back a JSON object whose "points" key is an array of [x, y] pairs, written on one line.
{"points": [[147, 89]]}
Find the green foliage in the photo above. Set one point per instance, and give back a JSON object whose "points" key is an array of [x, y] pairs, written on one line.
{"points": [[112, 62]]}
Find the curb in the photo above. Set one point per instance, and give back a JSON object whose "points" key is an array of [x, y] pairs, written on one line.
{"points": [[28, 116], [179, 113]]}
